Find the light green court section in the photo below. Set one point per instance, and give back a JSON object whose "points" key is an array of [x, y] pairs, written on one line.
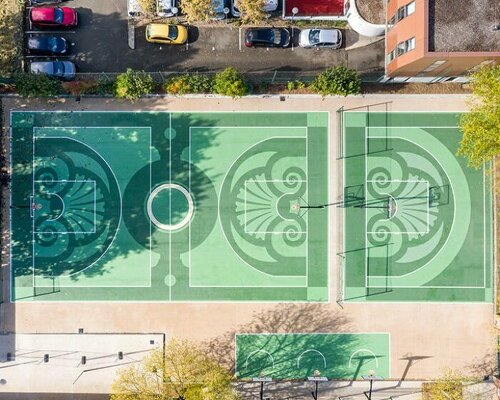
{"points": [[290, 356], [417, 219], [158, 206]]}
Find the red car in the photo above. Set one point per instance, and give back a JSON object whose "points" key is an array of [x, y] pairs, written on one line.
{"points": [[53, 17]]}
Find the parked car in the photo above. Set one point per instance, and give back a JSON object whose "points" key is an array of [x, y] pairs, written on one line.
{"points": [[53, 17], [166, 8], [47, 45], [58, 69], [267, 37], [166, 34], [218, 8], [269, 6], [320, 38]]}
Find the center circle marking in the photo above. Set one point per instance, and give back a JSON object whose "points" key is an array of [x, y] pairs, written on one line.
{"points": [[176, 204]]}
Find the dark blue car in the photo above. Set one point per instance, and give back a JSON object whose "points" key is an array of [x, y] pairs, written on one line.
{"points": [[47, 45]]}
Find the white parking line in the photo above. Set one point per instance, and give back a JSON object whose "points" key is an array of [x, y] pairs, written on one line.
{"points": [[239, 38], [292, 38]]}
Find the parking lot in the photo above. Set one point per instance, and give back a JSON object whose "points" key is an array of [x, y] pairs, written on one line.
{"points": [[100, 44]]}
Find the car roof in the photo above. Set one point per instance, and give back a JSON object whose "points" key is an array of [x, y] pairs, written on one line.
{"points": [[158, 30], [42, 66], [328, 35], [42, 13]]}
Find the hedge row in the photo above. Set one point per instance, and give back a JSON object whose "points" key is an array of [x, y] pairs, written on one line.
{"points": [[135, 84]]}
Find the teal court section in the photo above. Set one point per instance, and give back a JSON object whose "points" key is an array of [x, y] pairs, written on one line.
{"points": [[297, 356], [417, 219], [162, 206]]}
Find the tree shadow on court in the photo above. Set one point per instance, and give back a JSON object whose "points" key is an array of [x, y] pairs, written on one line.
{"points": [[293, 357], [169, 148]]}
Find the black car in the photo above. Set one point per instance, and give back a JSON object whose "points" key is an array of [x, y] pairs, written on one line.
{"points": [[47, 45], [267, 37]]}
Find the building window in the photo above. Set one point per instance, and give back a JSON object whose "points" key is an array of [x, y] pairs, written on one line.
{"points": [[481, 65], [400, 49], [401, 13], [434, 65], [406, 46]]}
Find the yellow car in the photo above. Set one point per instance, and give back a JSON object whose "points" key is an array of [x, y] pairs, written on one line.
{"points": [[166, 34]]}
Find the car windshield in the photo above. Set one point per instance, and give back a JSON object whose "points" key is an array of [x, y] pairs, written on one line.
{"points": [[276, 36], [314, 36], [58, 15], [173, 32], [52, 44], [58, 68]]}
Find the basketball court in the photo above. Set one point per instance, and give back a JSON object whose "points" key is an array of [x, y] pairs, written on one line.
{"points": [[346, 356], [418, 222], [142, 206]]}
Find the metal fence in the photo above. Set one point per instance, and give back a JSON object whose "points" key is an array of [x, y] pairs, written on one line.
{"points": [[268, 76]]}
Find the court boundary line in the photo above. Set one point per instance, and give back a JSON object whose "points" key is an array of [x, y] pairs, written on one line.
{"points": [[451, 229], [306, 128], [149, 128], [193, 301], [388, 334], [343, 266]]}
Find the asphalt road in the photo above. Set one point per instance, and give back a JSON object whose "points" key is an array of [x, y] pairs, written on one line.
{"points": [[101, 45]]}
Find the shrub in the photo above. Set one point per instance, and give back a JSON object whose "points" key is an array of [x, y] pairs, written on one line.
{"points": [[230, 83], [252, 11], [194, 83], [197, 10], [292, 85], [133, 84], [77, 88], [338, 80], [36, 85], [148, 7]]}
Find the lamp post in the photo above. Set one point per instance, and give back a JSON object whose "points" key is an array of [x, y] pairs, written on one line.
{"points": [[295, 11], [371, 377], [316, 378], [226, 12], [175, 10], [262, 379]]}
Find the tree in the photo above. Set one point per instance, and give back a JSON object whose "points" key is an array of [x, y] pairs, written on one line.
{"points": [[148, 7], [133, 84], [184, 372], [480, 127], [252, 11], [338, 80], [11, 36], [36, 85], [197, 10], [452, 385], [230, 83]]}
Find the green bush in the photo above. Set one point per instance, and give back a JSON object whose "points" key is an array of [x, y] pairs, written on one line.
{"points": [[194, 83], [36, 85], [337, 81], [133, 84], [230, 83], [292, 85]]}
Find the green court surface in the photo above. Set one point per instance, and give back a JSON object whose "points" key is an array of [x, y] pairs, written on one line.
{"points": [[417, 219], [140, 206], [296, 356]]}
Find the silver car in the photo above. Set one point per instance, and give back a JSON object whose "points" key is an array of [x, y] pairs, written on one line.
{"points": [[58, 69], [329, 38]]}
